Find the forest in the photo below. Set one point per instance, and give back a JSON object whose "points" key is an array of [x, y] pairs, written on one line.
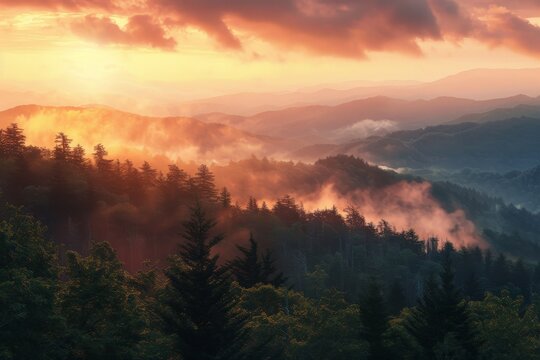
{"points": [[105, 259]]}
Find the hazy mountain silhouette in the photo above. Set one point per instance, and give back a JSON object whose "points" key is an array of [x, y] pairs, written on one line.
{"points": [[501, 114], [361, 118], [479, 84], [126, 133]]}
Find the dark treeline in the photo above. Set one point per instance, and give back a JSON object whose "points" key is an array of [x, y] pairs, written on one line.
{"points": [[308, 285]]}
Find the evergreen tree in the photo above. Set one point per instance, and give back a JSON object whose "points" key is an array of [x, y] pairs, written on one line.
{"points": [[247, 268], [13, 141], [270, 275], [250, 269], [103, 165], [264, 208], [253, 206], [62, 148], [287, 210], [225, 198], [374, 321], [148, 175], [78, 156], [440, 323], [199, 302], [204, 183]]}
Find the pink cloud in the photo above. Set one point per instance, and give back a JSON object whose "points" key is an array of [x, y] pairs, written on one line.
{"points": [[346, 28], [141, 30]]}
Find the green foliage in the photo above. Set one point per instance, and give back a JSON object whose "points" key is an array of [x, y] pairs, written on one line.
{"points": [[198, 301], [374, 321], [508, 330], [29, 319], [251, 269], [104, 315], [302, 328], [441, 322]]}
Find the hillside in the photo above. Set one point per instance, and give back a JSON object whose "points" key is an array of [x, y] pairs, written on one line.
{"points": [[500, 146], [522, 110], [133, 135], [361, 118], [521, 188]]}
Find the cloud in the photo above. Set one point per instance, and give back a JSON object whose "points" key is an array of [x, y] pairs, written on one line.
{"points": [[63, 4], [344, 28], [504, 28], [141, 30]]}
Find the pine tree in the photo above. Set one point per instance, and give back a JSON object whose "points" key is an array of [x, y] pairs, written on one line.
{"points": [[204, 184], [62, 148], [374, 320], [250, 269], [103, 165], [14, 140], [270, 274], [353, 219], [247, 268], [199, 303], [442, 318], [225, 198], [253, 206], [264, 208], [148, 175], [78, 156]]}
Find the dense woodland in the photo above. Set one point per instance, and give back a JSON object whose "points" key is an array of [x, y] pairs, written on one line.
{"points": [[228, 281]]}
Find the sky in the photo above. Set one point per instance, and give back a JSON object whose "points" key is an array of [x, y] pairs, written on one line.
{"points": [[110, 52]]}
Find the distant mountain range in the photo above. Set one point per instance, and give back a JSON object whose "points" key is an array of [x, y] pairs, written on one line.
{"points": [[361, 118], [523, 110], [478, 84]]}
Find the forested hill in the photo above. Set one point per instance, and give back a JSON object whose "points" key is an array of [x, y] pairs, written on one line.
{"points": [[138, 208], [299, 264], [505, 145]]}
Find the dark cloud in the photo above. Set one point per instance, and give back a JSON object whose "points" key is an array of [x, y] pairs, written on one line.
{"points": [[339, 27], [141, 30]]}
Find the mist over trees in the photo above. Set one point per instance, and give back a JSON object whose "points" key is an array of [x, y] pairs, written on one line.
{"points": [[227, 281]]}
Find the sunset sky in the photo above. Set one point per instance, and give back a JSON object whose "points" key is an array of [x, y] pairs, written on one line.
{"points": [[86, 50]]}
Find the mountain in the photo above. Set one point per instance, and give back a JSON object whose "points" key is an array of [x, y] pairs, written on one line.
{"points": [[478, 84], [499, 146], [134, 135], [361, 118], [452, 212], [521, 188], [501, 114]]}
